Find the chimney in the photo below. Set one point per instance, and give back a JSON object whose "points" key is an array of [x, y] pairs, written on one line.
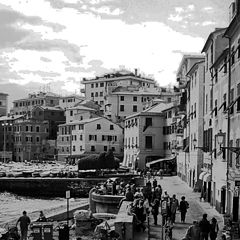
{"points": [[136, 72]]}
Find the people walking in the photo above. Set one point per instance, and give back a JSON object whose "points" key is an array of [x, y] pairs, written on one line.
{"points": [[183, 208], [213, 229], [42, 217], [174, 205], [154, 183], [193, 232], [24, 221], [204, 227], [155, 210]]}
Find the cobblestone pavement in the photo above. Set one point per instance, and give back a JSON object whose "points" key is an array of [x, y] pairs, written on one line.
{"points": [[174, 185]]}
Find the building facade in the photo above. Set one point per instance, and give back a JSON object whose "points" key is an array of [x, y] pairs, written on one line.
{"points": [[3, 104]]}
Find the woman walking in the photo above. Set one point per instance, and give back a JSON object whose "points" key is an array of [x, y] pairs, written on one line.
{"points": [[213, 229]]}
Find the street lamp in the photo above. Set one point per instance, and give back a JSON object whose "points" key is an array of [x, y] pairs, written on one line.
{"points": [[194, 141]]}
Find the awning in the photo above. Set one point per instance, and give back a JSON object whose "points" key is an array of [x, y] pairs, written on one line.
{"points": [[202, 175], [160, 160], [207, 177]]}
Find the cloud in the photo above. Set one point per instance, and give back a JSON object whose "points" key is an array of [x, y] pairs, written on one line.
{"points": [[207, 23], [71, 51], [44, 59], [40, 73]]}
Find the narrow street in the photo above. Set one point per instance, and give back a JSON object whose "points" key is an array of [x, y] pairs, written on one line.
{"points": [[174, 185]]}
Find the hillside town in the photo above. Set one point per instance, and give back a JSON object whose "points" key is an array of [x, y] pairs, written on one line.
{"points": [[191, 130]]}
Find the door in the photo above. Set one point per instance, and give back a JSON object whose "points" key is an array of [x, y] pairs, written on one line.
{"points": [[235, 208], [223, 199], [209, 192]]}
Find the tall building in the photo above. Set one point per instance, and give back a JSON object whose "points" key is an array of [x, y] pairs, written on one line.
{"points": [[25, 105], [3, 104], [121, 93]]}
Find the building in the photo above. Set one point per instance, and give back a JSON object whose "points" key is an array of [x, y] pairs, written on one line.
{"points": [[54, 116], [25, 105], [7, 137], [3, 104], [183, 158], [69, 101], [121, 93], [94, 135], [147, 136]]}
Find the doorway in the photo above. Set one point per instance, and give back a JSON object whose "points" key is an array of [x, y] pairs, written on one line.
{"points": [[209, 192], [235, 208], [223, 199]]}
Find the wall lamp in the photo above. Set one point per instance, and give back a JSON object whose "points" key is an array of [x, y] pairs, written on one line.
{"points": [[204, 149]]}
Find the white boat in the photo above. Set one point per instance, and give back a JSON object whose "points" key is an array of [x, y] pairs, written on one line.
{"points": [[45, 174], [17, 173]]}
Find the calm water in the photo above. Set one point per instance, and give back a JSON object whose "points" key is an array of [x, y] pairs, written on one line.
{"points": [[12, 206]]}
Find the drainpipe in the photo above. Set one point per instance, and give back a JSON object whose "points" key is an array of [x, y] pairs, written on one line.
{"points": [[228, 120]]}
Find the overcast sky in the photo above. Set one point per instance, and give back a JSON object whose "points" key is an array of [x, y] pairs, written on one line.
{"points": [[58, 42]]}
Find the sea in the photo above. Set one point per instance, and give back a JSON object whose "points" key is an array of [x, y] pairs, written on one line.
{"points": [[12, 206]]}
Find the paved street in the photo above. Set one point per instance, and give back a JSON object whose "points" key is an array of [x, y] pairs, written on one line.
{"points": [[174, 185]]}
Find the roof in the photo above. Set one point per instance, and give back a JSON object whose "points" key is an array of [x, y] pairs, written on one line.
{"points": [[12, 117], [192, 69], [211, 35], [188, 56], [233, 26], [80, 107], [5, 94], [50, 108], [38, 95], [72, 96], [154, 110]]}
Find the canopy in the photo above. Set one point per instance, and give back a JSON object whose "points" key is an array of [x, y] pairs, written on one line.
{"points": [[207, 177], [160, 160], [202, 175]]}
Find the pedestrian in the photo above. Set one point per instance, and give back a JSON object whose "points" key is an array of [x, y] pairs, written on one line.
{"points": [[24, 222], [155, 210], [204, 227], [214, 229], [154, 183], [193, 232], [174, 205], [183, 208], [42, 217], [129, 195]]}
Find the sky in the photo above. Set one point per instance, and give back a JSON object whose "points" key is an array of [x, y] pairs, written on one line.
{"points": [[53, 44]]}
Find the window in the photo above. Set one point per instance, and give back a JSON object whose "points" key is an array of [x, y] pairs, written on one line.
{"points": [[232, 56], [80, 138], [101, 84], [92, 85], [215, 109], [92, 148], [26, 128], [121, 98], [80, 126], [192, 112], [170, 114], [148, 122], [225, 65], [92, 94], [37, 139], [113, 149], [105, 148], [121, 108], [135, 99], [216, 76], [148, 142], [169, 100], [101, 102], [111, 127], [231, 100], [81, 148], [74, 148], [238, 95], [237, 157], [134, 108], [96, 94], [101, 94], [230, 154], [96, 85], [98, 126], [195, 109], [224, 102], [92, 137], [71, 113], [51, 101]]}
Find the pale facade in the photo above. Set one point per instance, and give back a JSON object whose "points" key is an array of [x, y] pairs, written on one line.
{"points": [[93, 135], [3, 104], [69, 101]]}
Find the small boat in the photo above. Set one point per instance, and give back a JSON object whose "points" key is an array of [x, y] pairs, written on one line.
{"points": [[2, 174], [54, 173], [45, 174], [27, 173], [36, 174], [9, 174], [17, 174]]}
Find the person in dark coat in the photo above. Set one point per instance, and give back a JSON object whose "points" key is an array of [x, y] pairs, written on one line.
{"points": [[183, 209], [214, 229], [174, 205], [24, 222], [204, 227], [155, 210]]}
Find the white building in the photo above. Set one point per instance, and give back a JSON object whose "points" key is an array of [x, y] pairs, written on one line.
{"points": [[94, 135]]}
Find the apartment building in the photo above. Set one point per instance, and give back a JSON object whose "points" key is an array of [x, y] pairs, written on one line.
{"points": [[121, 93], [3, 104], [25, 105], [94, 135], [184, 157], [70, 101]]}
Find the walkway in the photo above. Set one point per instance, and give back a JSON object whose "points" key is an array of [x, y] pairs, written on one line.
{"points": [[174, 185]]}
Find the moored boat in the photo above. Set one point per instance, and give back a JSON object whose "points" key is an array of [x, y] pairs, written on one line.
{"points": [[45, 174]]}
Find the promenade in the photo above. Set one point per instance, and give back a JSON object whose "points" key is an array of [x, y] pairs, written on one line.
{"points": [[174, 185]]}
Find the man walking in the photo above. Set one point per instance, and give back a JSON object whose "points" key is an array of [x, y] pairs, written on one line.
{"points": [[204, 227], [173, 207], [183, 209], [24, 222]]}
